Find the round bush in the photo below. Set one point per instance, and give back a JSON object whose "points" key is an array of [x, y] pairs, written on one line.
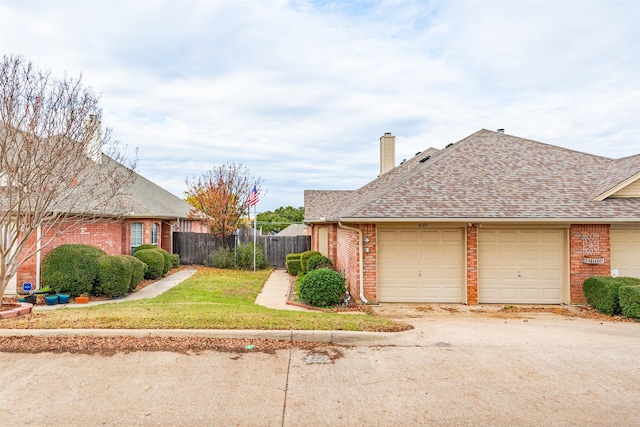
{"points": [[322, 287], [154, 260], [318, 261], [304, 257], [137, 272], [165, 255], [71, 269], [114, 275], [175, 260]]}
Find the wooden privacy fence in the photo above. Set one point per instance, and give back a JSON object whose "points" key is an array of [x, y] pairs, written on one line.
{"points": [[194, 248]]}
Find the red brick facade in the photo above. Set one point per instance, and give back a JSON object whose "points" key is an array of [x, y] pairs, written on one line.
{"points": [[112, 236], [578, 269], [344, 252]]}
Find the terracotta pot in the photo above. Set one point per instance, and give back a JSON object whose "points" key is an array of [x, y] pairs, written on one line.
{"points": [[82, 300]]}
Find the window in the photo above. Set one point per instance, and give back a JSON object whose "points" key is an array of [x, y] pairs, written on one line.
{"points": [[154, 234], [136, 235]]}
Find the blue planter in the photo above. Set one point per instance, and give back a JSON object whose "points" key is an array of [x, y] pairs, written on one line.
{"points": [[51, 299], [63, 298]]}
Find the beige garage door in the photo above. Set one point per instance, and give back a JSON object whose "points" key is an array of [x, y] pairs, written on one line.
{"points": [[521, 266], [625, 250], [420, 265]]}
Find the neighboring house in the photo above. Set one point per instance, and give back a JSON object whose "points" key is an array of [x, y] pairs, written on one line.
{"points": [[492, 218], [295, 230], [153, 214]]}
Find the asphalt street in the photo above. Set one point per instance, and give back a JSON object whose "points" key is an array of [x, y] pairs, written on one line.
{"points": [[532, 370]]}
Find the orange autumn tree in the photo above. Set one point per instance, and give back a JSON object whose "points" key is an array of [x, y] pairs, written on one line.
{"points": [[219, 197]]}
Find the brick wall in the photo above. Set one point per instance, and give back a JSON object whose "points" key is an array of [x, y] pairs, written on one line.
{"points": [[348, 260], [472, 265], [578, 270], [112, 236]]}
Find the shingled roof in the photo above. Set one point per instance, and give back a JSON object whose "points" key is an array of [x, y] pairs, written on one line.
{"points": [[488, 175]]}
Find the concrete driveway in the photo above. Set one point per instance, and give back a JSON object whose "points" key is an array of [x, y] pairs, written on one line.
{"points": [[533, 370]]}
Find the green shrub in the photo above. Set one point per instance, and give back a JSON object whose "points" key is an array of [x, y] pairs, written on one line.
{"points": [[293, 264], [165, 255], [114, 275], [630, 300], [322, 287], [304, 258], [602, 293], [221, 258], [154, 260], [318, 261], [138, 269], [71, 269], [245, 257], [175, 260]]}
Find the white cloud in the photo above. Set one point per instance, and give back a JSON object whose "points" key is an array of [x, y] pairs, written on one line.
{"points": [[300, 91]]}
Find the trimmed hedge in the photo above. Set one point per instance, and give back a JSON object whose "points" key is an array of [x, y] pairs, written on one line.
{"points": [[322, 287], [114, 275], [71, 269], [304, 258], [319, 261], [165, 256], [154, 260], [175, 260], [630, 300], [293, 264], [603, 293], [138, 269]]}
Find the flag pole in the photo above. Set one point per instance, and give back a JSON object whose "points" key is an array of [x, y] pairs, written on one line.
{"points": [[255, 236]]}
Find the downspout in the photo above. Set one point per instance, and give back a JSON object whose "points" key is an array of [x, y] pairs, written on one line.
{"points": [[361, 258]]}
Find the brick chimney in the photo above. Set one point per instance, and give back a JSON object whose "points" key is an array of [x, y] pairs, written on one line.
{"points": [[387, 152]]}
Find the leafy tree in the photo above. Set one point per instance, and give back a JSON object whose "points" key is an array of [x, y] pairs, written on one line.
{"points": [[280, 219], [53, 174], [220, 197]]}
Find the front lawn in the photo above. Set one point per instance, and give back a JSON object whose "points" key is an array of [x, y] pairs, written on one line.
{"points": [[210, 299]]}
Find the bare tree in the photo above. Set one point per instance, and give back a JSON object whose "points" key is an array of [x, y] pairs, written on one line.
{"points": [[220, 197], [53, 173]]}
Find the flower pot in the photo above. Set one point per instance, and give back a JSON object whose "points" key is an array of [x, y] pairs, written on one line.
{"points": [[82, 300], [51, 299], [31, 299], [63, 298]]}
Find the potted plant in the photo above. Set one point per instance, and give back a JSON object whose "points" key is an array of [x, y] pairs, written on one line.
{"points": [[63, 298], [51, 299], [82, 299]]}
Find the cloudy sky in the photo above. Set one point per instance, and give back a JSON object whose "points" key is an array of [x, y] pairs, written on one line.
{"points": [[300, 91]]}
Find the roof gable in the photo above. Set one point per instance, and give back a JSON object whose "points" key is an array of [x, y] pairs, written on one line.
{"points": [[620, 179]]}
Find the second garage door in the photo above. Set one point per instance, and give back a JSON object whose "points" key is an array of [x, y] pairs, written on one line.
{"points": [[625, 250], [420, 265], [521, 266]]}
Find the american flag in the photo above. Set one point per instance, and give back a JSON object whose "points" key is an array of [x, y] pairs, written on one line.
{"points": [[253, 197]]}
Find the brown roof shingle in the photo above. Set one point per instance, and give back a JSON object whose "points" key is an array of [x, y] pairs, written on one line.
{"points": [[491, 175]]}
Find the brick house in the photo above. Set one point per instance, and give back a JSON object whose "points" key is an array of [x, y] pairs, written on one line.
{"points": [[492, 218], [153, 214]]}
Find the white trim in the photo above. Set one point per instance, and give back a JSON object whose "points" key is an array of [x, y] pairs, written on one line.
{"points": [[618, 187]]}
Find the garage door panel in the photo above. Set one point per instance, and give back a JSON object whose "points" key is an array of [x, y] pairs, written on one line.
{"points": [[625, 250], [521, 266], [429, 265]]}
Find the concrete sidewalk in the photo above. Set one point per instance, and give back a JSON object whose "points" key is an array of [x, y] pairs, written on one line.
{"points": [[275, 291], [151, 291]]}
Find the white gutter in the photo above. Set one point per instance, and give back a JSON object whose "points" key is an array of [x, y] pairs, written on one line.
{"points": [[361, 258]]}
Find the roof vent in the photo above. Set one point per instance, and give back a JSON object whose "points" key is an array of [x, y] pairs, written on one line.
{"points": [[500, 130], [424, 159], [449, 145]]}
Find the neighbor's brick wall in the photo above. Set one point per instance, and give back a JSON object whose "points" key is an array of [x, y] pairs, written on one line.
{"points": [[578, 270], [472, 265], [105, 234]]}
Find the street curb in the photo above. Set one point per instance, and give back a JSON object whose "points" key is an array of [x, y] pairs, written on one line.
{"points": [[326, 337]]}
